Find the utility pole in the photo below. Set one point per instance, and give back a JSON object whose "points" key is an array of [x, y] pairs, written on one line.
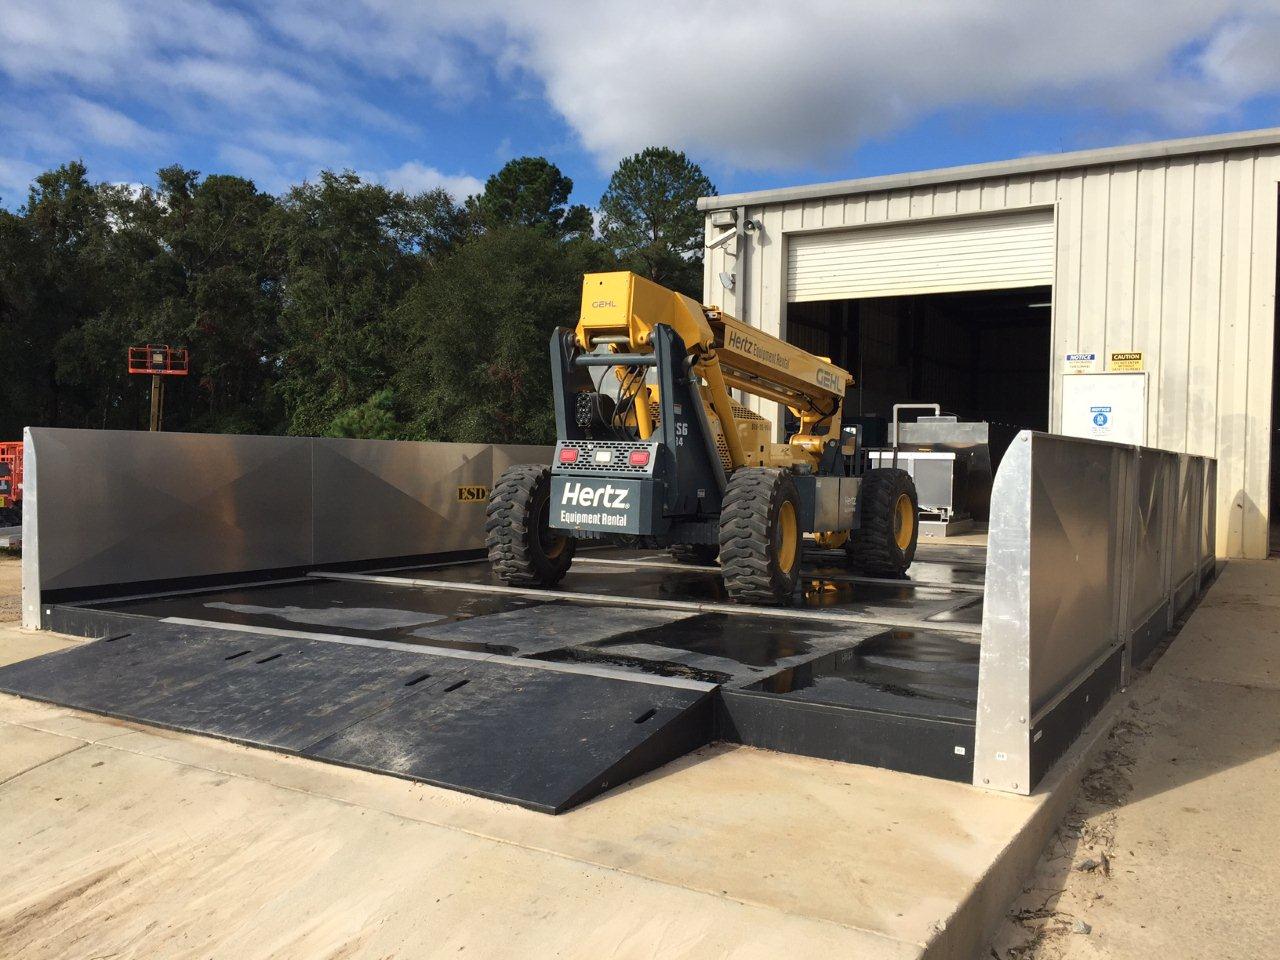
{"points": [[157, 401]]}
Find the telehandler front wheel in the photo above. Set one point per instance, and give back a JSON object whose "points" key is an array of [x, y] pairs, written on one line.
{"points": [[884, 542], [523, 549], [760, 537]]}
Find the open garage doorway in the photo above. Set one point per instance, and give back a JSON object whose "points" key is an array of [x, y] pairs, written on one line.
{"points": [[980, 354]]}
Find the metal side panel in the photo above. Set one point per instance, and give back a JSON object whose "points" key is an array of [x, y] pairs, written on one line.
{"points": [[377, 499], [166, 505], [32, 611], [1092, 547], [1002, 756]]}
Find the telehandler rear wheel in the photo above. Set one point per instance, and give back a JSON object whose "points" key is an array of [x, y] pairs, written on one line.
{"points": [[760, 538], [695, 553], [523, 549], [885, 541]]}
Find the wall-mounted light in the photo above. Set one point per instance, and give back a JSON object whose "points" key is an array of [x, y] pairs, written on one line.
{"points": [[724, 219]]}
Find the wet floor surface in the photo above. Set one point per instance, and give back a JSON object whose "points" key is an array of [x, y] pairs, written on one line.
{"points": [[914, 671], [662, 580], [867, 664]]}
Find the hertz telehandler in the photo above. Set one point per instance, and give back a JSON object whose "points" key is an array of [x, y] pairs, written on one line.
{"points": [[667, 456]]}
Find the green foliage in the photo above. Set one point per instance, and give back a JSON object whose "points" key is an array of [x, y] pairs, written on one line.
{"points": [[530, 192], [341, 308], [375, 419], [649, 217], [477, 368], [350, 252]]}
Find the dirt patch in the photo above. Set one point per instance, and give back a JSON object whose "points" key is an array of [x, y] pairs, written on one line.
{"points": [[10, 586], [1075, 870]]}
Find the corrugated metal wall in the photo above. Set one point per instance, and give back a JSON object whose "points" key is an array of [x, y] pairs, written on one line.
{"points": [[1174, 257]]}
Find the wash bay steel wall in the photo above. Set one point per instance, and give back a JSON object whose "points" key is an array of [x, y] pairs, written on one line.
{"points": [[1166, 248]]}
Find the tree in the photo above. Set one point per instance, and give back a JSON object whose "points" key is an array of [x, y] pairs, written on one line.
{"points": [[649, 217], [477, 368], [222, 301], [56, 277], [350, 252], [375, 419], [530, 192]]}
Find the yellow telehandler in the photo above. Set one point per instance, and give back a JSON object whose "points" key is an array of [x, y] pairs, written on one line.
{"points": [[663, 454]]}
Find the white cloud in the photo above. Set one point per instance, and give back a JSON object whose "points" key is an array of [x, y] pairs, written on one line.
{"points": [[15, 178], [286, 88], [766, 85], [415, 177], [107, 126]]}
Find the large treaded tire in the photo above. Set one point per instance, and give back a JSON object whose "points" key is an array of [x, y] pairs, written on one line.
{"points": [[751, 549], [523, 551], [874, 546], [702, 554]]}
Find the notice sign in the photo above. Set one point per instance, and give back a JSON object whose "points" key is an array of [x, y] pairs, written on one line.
{"points": [[1126, 362], [1082, 363], [1101, 421]]}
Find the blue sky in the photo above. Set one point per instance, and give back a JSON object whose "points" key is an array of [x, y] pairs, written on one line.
{"points": [[433, 93]]}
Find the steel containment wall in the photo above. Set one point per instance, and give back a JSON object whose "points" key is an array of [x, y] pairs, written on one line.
{"points": [[106, 508], [1094, 549]]}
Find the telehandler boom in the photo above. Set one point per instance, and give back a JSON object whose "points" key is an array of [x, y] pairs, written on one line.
{"points": [[665, 454]]}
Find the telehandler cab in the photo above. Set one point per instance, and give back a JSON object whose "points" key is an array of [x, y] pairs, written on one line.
{"points": [[666, 457]]}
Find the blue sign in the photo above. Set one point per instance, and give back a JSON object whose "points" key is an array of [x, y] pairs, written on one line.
{"points": [[1101, 415]]}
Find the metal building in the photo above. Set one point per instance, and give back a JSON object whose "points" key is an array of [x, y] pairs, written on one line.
{"points": [[970, 286]]}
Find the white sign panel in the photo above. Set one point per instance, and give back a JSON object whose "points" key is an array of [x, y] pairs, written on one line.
{"points": [[1105, 406], [1083, 363]]}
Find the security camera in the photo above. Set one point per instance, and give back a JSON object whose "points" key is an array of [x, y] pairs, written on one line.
{"points": [[750, 226]]}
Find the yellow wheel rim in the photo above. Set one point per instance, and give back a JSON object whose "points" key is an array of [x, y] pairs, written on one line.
{"points": [[555, 547], [904, 521], [788, 536]]}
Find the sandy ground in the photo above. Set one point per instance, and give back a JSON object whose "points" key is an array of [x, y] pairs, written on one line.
{"points": [[1171, 848], [10, 586]]}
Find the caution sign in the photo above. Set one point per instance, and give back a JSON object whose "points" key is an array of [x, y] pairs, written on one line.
{"points": [[1127, 362], [474, 493]]}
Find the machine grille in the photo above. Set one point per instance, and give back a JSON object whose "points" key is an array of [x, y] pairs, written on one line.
{"points": [[618, 465]]}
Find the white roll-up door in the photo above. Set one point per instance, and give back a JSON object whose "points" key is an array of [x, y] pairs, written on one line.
{"points": [[986, 252]]}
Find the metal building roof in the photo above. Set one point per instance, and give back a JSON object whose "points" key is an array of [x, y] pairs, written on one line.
{"points": [[1243, 140]]}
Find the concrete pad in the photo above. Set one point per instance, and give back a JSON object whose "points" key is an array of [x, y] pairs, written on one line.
{"points": [[26, 749], [863, 849], [755, 826], [253, 870], [17, 644]]}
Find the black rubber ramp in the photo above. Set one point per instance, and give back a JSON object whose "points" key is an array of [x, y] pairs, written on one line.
{"points": [[542, 738]]}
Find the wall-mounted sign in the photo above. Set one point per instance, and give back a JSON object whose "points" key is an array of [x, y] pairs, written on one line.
{"points": [[1083, 363], [1105, 406], [1126, 362], [473, 494]]}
